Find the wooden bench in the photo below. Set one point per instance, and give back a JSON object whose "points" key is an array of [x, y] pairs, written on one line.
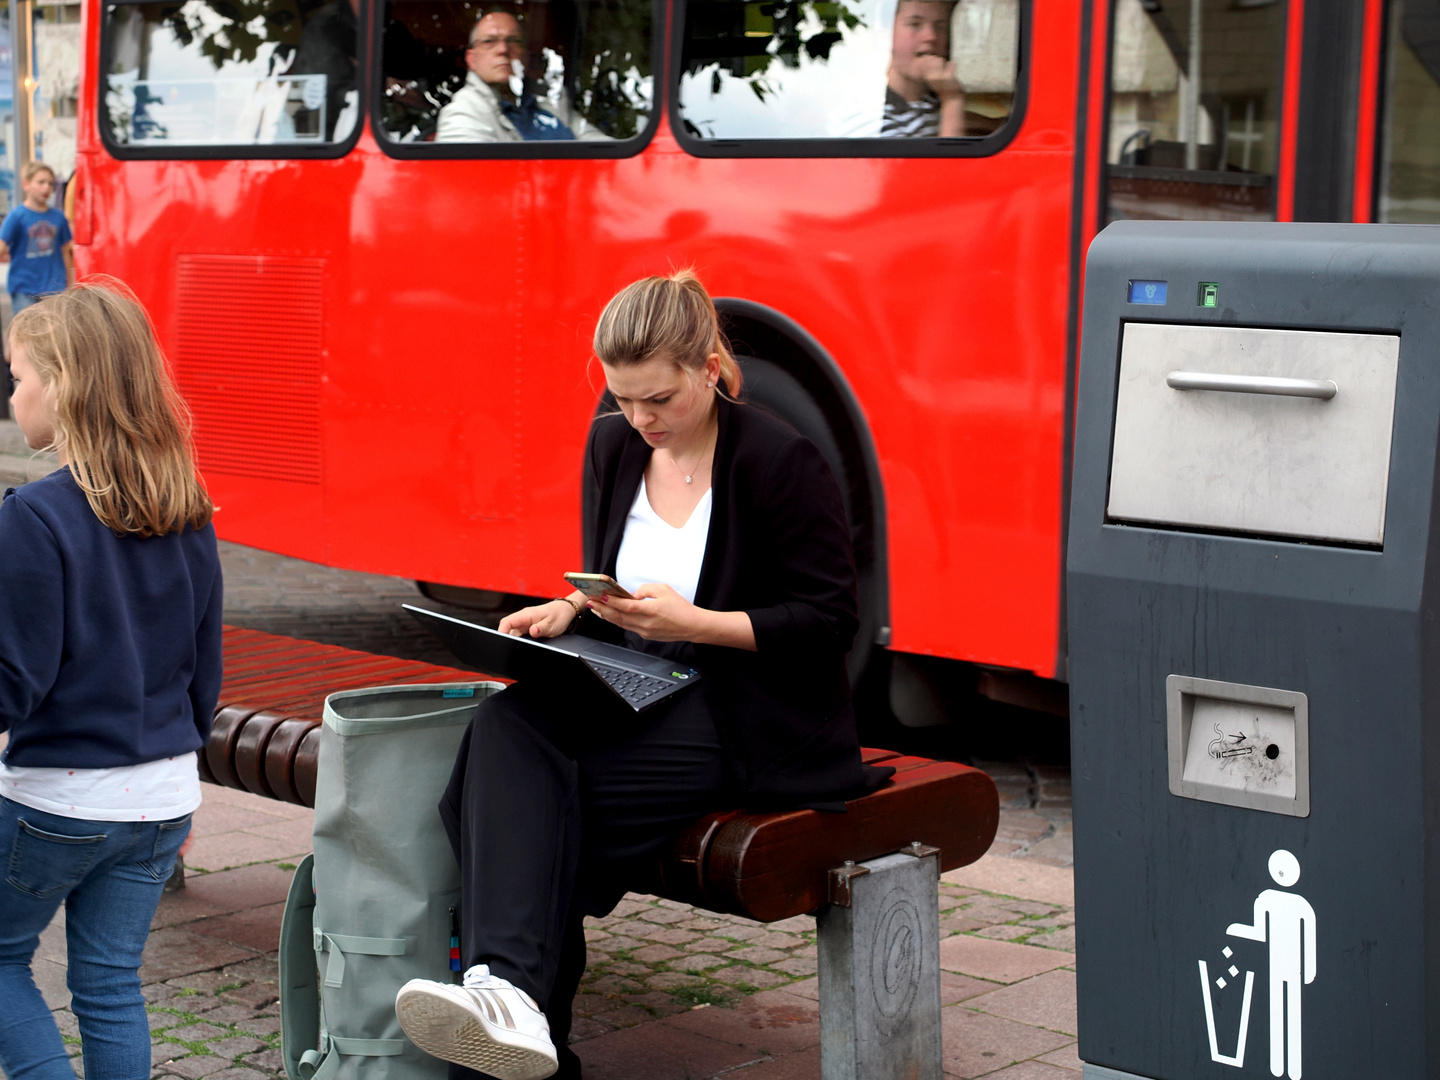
{"points": [[869, 874]]}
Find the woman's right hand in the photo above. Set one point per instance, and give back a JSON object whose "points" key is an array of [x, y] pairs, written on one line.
{"points": [[541, 621]]}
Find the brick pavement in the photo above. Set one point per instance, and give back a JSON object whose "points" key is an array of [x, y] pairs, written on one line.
{"points": [[671, 991]]}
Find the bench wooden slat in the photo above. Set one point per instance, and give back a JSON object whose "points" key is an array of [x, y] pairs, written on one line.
{"points": [[765, 866]]}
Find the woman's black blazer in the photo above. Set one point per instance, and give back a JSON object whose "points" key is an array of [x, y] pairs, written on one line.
{"points": [[779, 550]]}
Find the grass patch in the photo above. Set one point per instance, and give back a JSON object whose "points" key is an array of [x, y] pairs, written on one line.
{"points": [[286, 866]]}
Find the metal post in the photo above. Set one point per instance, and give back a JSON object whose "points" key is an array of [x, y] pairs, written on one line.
{"points": [[1192, 106], [879, 950], [22, 59]]}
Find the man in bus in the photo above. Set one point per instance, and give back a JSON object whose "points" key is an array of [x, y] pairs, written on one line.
{"points": [[923, 96], [497, 103]]}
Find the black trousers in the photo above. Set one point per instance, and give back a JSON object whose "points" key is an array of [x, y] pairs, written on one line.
{"points": [[552, 815]]}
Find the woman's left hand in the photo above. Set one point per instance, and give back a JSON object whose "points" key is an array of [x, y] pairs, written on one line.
{"points": [[659, 613]]}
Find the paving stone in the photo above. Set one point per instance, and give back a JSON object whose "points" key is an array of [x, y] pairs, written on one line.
{"points": [[653, 954], [810, 988], [1030, 1070], [667, 935], [240, 1074], [1005, 933], [1063, 939], [708, 945], [1064, 918], [194, 1067], [702, 962], [747, 931], [67, 1022], [227, 1013], [959, 924], [594, 933], [255, 996], [616, 944], [1067, 1057], [202, 979], [256, 928], [628, 907], [261, 1026], [585, 1028], [682, 1054], [623, 1016], [665, 915], [158, 1021], [673, 980], [798, 966], [620, 967], [757, 977], [999, 961], [234, 1046], [773, 1022], [976, 1043], [162, 1052], [676, 904], [196, 1032], [1046, 1001], [756, 954], [702, 924], [266, 1059]]}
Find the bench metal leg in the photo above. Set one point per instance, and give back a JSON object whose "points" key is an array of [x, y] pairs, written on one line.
{"points": [[880, 969]]}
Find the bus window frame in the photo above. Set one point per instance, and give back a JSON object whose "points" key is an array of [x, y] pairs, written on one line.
{"points": [[550, 149], [1102, 187], [829, 147], [230, 151]]}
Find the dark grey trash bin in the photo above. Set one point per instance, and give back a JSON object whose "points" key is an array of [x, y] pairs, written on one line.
{"points": [[1254, 641]]}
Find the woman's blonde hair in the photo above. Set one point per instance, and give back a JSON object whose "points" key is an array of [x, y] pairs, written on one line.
{"points": [[118, 417], [672, 317]]}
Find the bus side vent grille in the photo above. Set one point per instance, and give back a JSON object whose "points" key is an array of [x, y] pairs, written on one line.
{"points": [[248, 349]]}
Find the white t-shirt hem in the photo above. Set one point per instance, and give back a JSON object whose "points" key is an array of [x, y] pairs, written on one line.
{"points": [[154, 791]]}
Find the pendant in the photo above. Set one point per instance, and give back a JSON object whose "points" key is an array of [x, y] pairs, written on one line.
{"points": [[688, 479]]}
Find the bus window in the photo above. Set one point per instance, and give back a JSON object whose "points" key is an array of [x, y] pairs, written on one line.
{"points": [[211, 73], [1194, 109], [458, 71], [1410, 168], [828, 69]]}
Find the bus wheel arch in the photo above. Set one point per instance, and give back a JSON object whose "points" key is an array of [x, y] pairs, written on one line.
{"points": [[789, 372]]}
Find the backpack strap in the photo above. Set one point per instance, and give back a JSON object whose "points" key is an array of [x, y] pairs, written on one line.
{"points": [[299, 981], [323, 1065], [337, 945]]}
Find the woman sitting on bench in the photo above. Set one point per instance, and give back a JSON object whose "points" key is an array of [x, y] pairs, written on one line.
{"points": [[728, 529]]}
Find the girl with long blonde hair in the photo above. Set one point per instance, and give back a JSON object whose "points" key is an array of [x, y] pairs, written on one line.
{"points": [[110, 608]]}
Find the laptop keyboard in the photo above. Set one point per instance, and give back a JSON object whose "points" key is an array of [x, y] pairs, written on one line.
{"points": [[631, 685]]}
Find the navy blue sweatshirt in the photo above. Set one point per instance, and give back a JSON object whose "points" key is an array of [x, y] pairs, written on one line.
{"points": [[109, 645]]}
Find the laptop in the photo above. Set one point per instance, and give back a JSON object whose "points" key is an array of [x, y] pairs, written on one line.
{"points": [[569, 661]]}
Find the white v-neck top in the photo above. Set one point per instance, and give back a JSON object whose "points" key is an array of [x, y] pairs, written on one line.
{"points": [[655, 552]]}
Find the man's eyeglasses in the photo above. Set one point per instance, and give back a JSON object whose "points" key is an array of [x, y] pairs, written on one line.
{"points": [[514, 42]]}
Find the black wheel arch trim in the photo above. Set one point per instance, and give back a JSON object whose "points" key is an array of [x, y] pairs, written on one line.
{"points": [[736, 308]]}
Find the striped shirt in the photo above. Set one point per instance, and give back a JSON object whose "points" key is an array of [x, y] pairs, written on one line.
{"points": [[910, 119]]}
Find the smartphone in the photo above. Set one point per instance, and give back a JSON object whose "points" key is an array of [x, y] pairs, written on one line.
{"points": [[597, 585]]}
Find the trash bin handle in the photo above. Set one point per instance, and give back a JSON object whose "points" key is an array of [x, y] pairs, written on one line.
{"points": [[1324, 389]]}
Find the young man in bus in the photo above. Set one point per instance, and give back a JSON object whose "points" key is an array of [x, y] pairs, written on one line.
{"points": [[497, 103], [923, 96]]}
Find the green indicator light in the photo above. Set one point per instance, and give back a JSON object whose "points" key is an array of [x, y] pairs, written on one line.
{"points": [[1209, 293]]}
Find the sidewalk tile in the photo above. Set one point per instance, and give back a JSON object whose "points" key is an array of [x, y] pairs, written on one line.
{"points": [[295, 834], [976, 1044], [258, 928], [50, 978], [1046, 1001], [173, 952], [237, 849], [215, 816], [192, 1068], [802, 1065], [658, 1052], [1001, 961], [1066, 1057], [955, 987], [1031, 1070], [773, 1022], [1017, 877]]}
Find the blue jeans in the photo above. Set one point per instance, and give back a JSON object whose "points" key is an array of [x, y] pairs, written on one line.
{"points": [[109, 875], [19, 301]]}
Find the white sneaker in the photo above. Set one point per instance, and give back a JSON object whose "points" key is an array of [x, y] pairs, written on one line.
{"points": [[487, 1025]]}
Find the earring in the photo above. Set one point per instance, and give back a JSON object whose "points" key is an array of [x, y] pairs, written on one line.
{"points": [[709, 384]]}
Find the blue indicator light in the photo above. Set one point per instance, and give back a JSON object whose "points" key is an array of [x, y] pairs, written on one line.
{"points": [[1147, 292]]}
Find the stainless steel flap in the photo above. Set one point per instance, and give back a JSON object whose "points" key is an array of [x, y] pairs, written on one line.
{"points": [[1285, 432]]}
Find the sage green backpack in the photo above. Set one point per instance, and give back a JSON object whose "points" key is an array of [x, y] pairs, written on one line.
{"points": [[372, 908]]}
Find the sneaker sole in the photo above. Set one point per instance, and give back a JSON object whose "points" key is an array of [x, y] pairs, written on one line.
{"points": [[447, 1030]]}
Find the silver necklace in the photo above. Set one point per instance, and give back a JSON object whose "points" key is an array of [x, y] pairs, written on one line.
{"points": [[689, 476]]}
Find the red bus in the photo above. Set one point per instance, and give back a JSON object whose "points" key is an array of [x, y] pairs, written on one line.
{"points": [[378, 291]]}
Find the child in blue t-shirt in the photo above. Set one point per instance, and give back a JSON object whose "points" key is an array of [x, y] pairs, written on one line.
{"points": [[36, 241]]}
